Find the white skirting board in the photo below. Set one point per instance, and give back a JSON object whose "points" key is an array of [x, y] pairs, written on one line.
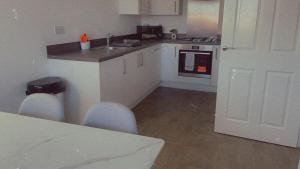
{"points": [[188, 86]]}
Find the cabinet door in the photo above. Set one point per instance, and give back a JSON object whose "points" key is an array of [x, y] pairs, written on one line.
{"points": [[145, 7], [168, 7], [169, 62], [151, 67], [119, 79], [134, 7], [155, 65], [112, 80], [129, 7], [130, 81], [142, 72], [156, 69]]}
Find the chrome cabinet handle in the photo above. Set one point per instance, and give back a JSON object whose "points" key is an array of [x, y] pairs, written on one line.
{"points": [[225, 48], [138, 61], [217, 52], [175, 49], [124, 67], [142, 59]]}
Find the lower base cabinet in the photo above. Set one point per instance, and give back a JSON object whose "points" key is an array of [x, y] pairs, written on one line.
{"points": [[128, 79], [125, 80]]}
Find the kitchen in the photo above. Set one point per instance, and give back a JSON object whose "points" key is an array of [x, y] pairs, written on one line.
{"points": [[141, 69], [131, 76]]}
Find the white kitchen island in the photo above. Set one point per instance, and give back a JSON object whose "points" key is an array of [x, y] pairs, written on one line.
{"points": [[29, 143]]}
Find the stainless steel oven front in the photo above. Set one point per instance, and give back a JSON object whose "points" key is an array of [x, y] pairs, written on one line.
{"points": [[196, 61]]}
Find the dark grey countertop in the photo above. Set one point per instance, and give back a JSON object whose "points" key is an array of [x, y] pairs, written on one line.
{"points": [[101, 54]]}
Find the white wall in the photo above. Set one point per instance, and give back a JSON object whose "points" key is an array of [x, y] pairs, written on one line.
{"points": [[169, 22], [26, 27]]}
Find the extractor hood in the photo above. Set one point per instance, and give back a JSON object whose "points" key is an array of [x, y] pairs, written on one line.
{"points": [[203, 18]]}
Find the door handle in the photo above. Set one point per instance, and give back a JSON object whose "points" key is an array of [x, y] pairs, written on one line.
{"points": [[226, 48], [175, 6]]}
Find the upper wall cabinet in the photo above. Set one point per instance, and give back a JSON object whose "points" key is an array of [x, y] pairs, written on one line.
{"points": [[149, 7], [134, 7], [165, 7]]}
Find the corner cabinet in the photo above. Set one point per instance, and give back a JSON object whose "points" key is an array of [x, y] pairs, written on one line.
{"points": [[134, 7], [149, 7]]}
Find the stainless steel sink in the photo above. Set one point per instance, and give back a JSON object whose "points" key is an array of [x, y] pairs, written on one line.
{"points": [[111, 48], [115, 48], [127, 43]]}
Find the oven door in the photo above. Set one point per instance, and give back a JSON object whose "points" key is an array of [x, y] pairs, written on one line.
{"points": [[195, 63]]}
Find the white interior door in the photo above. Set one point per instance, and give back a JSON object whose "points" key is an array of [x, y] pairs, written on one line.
{"points": [[259, 81]]}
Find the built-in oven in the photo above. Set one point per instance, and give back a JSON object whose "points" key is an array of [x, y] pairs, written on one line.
{"points": [[196, 61]]}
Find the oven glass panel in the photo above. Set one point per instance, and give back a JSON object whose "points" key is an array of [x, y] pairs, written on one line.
{"points": [[195, 63]]}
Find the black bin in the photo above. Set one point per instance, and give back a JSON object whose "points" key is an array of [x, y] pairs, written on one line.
{"points": [[49, 85]]}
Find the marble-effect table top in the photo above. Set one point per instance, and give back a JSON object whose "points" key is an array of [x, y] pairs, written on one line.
{"points": [[29, 143]]}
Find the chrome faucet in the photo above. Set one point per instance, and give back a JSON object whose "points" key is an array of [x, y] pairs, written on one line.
{"points": [[108, 39]]}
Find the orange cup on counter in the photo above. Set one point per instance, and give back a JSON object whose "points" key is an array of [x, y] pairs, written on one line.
{"points": [[84, 42]]}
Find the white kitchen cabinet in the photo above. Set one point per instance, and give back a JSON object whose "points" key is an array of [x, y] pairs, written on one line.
{"points": [[166, 7], [155, 65], [131, 80], [169, 62], [128, 79], [148, 71], [118, 78], [134, 7], [150, 68], [112, 78], [149, 7], [141, 84]]}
